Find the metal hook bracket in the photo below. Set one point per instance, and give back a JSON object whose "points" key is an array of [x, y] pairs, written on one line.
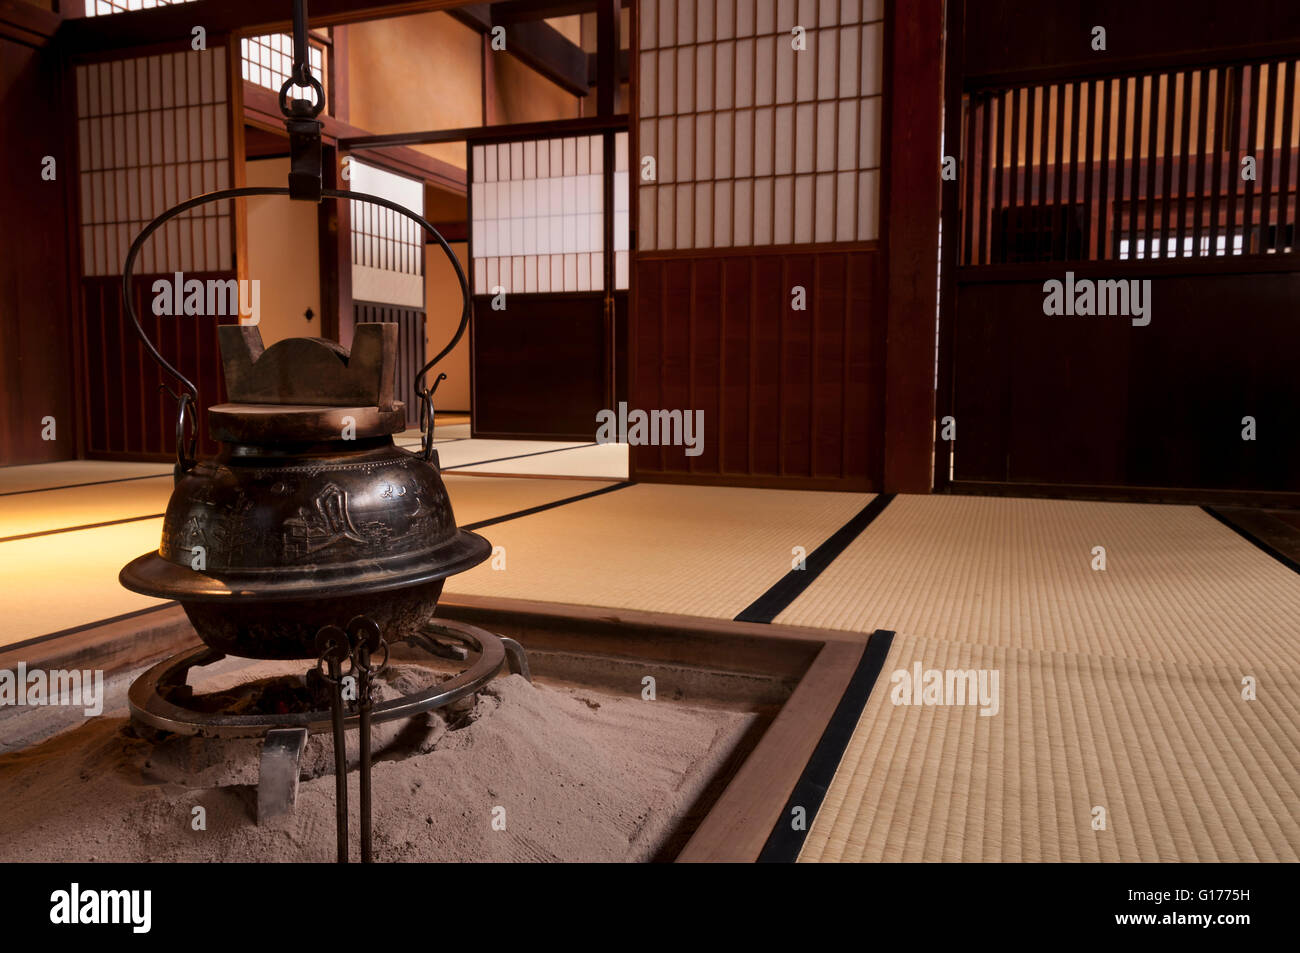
{"points": [[300, 117]]}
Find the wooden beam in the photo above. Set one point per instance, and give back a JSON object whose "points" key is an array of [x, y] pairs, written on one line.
{"points": [[340, 103], [335, 250], [623, 69], [488, 75], [911, 195], [452, 231], [954, 32], [235, 137], [536, 44], [518, 11], [261, 108], [1013, 42], [518, 130], [606, 57], [27, 24]]}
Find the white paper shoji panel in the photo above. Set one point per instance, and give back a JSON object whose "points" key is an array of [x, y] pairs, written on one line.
{"points": [[538, 219], [755, 142], [103, 8], [387, 247], [268, 60], [152, 132]]}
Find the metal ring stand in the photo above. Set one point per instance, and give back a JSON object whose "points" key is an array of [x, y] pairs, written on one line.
{"points": [[150, 708], [152, 699]]}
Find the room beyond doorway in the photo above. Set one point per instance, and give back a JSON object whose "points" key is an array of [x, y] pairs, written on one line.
{"points": [[460, 453]]}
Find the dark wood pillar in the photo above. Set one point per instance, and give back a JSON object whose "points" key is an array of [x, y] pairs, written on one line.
{"points": [[911, 189], [335, 244]]}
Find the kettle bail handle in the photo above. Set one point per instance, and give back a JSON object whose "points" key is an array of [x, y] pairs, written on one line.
{"points": [[188, 395]]}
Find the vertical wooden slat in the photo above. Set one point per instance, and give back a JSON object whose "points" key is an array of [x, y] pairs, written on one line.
{"points": [[1076, 109], [1269, 139], [969, 172], [1237, 92], [1202, 156], [1158, 160], [1251, 145], [998, 166], [1036, 147], [1185, 118], [1155, 244], [1121, 145], [1057, 195], [1103, 211], [986, 169], [1010, 228], [1224, 78], [1135, 179], [1090, 146], [1285, 216]]}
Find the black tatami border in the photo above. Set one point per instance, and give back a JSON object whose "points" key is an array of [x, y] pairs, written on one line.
{"points": [[518, 456], [792, 585], [785, 842], [540, 508], [1254, 540]]}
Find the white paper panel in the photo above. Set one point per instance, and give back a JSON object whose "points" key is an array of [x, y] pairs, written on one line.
{"points": [[745, 104]]}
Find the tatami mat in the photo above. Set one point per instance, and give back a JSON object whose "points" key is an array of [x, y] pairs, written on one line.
{"points": [[67, 579], [39, 476], [83, 505], [474, 499], [602, 461], [1178, 585], [1183, 768], [56, 582], [1120, 689], [696, 550]]}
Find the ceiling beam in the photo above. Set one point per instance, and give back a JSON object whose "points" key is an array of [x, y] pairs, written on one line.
{"points": [[520, 130], [26, 23], [517, 11], [537, 44]]}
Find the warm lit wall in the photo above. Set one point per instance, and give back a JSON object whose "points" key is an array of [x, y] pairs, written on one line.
{"points": [[283, 256], [524, 96], [416, 72], [443, 301]]}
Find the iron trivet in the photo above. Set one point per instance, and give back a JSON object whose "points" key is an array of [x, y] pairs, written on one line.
{"points": [[157, 701]]}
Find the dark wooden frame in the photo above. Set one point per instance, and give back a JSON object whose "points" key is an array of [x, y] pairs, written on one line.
{"points": [[607, 126], [1108, 78], [817, 663]]}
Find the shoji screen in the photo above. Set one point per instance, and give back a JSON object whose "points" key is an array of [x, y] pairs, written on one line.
{"points": [[152, 132], [387, 248], [755, 141], [758, 297], [538, 215], [268, 61], [103, 8]]}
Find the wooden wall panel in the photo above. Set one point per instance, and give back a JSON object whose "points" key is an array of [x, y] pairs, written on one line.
{"points": [[127, 414], [1104, 405], [790, 398], [36, 340], [411, 349], [538, 366]]}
